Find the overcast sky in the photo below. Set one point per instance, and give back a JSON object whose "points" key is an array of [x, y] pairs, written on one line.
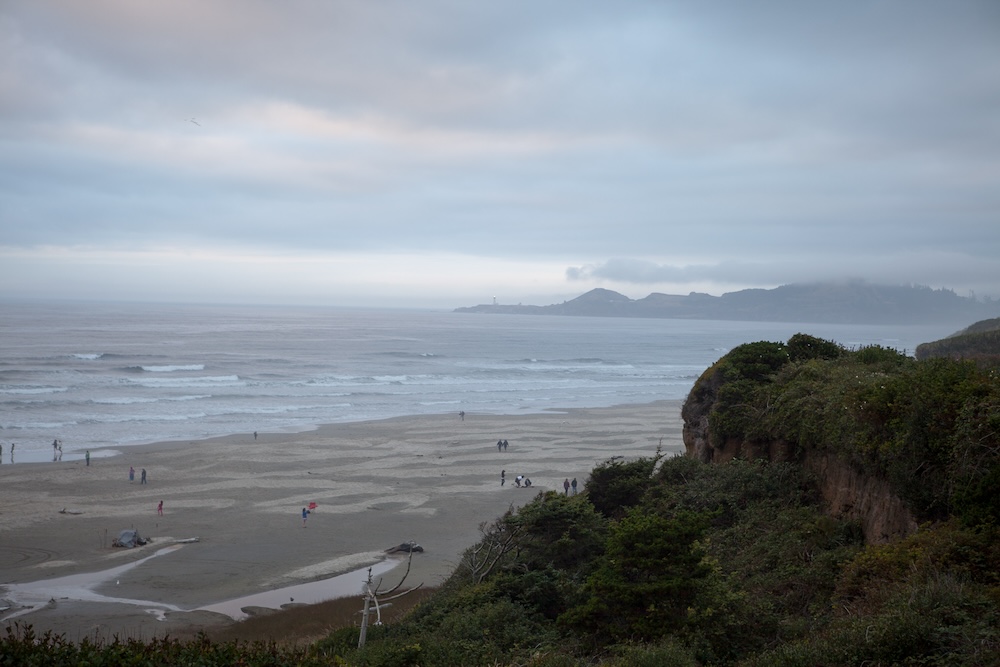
{"points": [[442, 153]]}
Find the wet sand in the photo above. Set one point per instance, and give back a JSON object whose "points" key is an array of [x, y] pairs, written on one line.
{"points": [[430, 479]]}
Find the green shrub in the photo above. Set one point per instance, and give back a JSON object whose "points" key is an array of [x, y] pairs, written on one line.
{"points": [[940, 622], [667, 653], [876, 355], [21, 647], [615, 486], [802, 347], [949, 547], [755, 362], [644, 586], [567, 532]]}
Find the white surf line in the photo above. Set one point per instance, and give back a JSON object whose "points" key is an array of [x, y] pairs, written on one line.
{"points": [[35, 595]]}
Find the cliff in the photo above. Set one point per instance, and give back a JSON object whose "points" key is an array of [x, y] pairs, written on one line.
{"points": [[847, 491], [979, 342]]}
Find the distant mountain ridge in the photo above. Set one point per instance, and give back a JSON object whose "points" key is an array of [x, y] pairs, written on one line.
{"points": [[838, 303]]}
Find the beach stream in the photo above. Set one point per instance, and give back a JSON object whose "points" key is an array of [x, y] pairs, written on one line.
{"points": [[22, 599]]}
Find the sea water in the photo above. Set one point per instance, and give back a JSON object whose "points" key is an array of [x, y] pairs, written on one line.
{"points": [[104, 376]]}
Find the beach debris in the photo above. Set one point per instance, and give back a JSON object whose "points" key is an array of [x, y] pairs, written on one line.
{"points": [[188, 540], [66, 511], [372, 592], [405, 547], [129, 538]]}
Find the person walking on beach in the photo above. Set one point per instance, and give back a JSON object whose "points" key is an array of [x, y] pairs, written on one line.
{"points": [[566, 486], [462, 415], [87, 456], [503, 477], [159, 508], [573, 484], [131, 474], [255, 435], [142, 476], [305, 515], [505, 444], [499, 445]]}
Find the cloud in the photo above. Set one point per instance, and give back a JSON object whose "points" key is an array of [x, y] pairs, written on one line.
{"points": [[947, 269], [716, 146]]}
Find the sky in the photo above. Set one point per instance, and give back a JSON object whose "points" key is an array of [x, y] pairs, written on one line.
{"points": [[445, 153]]}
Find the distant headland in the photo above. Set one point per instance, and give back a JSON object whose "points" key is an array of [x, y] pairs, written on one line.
{"points": [[833, 303]]}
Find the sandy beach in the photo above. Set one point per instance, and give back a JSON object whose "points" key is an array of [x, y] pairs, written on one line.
{"points": [[429, 479]]}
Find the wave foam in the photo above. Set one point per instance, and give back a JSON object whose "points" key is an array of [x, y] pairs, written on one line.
{"points": [[29, 391], [205, 381], [123, 401]]}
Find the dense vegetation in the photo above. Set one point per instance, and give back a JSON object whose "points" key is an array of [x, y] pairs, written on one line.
{"points": [[668, 561], [929, 427]]}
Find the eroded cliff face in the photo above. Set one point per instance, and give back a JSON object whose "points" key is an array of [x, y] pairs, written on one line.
{"points": [[846, 491], [853, 494]]}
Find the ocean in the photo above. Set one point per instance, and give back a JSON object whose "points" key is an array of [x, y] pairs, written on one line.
{"points": [[100, 377]]}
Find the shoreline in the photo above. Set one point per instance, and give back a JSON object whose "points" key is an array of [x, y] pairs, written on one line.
{"points": [[432, 479], [41, 455]]}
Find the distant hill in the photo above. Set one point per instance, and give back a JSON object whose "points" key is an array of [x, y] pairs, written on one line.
{"points": [[840, 303], [979, 342]]}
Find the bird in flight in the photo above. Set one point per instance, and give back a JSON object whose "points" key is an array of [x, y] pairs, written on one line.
{"points": [[192, 120]]}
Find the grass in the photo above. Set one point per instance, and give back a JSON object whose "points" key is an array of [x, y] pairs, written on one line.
{"points": [[300, 625]]}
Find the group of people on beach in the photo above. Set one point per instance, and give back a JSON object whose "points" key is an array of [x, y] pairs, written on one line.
{"points": [[522, 481], [131, 475], [501, 445], [57, 451], [142, 480], [519, 481]]}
